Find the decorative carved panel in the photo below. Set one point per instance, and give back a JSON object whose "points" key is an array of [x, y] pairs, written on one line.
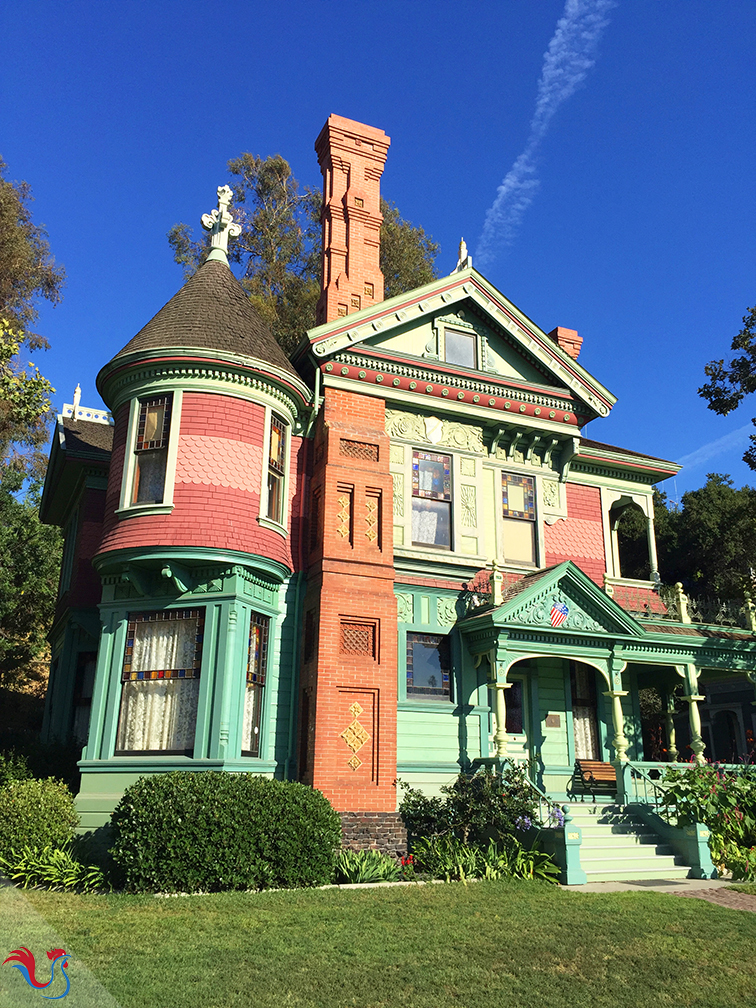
{"points": [[405, 607], [469, 509]]}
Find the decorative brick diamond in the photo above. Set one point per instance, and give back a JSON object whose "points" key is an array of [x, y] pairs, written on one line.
{"points": [[355, 710], [355, 763], [355, 736]]}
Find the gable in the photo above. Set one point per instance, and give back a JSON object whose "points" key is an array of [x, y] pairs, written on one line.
{"points": [[582, 607], [495, 353], [513, 348]]}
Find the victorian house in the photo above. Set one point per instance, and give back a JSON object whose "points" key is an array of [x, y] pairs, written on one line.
{"points": [[392, 555]]}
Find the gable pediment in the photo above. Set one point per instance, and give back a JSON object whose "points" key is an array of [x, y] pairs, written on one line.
{"points": [[564, 600], [512, 347]]}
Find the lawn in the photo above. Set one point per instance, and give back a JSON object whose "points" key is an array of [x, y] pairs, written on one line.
{"points": [[481, 945]]}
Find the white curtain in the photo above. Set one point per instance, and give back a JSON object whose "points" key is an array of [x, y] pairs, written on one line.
{"points": [[158, 714], [164, 644], [586, 733], [424, 524], [251, 730]]}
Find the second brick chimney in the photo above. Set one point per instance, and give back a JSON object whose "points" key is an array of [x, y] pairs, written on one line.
{"points": [[568, 340], [351, 157]]}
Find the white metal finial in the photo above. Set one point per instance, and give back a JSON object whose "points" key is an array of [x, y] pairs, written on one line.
{"points": [[465, 259], [220, 223], [76, 399]]}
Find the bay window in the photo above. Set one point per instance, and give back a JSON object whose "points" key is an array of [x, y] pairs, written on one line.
{"points": [[160, 682]]}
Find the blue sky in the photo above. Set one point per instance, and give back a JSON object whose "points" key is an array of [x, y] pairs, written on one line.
{"points": [[638, 232]]}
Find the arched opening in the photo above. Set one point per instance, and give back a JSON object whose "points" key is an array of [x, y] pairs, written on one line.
{"points": [[630, 532]]}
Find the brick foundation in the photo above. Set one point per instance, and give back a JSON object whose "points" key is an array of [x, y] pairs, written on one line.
{"points": [[383, 831]]}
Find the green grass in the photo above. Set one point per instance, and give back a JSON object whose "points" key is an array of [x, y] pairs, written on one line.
{"points": [[746, 887], [483, 945]]}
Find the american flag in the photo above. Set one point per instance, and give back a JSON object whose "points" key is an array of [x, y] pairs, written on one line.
{"points": [[559, 613]]}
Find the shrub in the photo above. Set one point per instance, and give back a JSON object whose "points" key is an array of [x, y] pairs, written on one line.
{"points": [[366, 866], [211, 831], [14, 766], [36, 814], [52, 868], [476, 808]]}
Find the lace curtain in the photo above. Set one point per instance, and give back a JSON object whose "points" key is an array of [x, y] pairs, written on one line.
{"points": [[160, 714], [586, 734], [251, 731]]}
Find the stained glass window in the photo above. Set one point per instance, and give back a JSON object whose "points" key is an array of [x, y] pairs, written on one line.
{"points": [[151, 449], [276, 468], [257, 661], [431, 499], [519, 514], [428, 666]]}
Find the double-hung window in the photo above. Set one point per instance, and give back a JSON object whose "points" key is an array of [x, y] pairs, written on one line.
{"points": [[519, 518], [151, 450], [276, 469], [431, 499], [160, 682], [257, 658]]}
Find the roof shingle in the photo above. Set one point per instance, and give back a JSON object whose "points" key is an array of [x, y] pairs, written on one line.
{"points": [[211, 311]]}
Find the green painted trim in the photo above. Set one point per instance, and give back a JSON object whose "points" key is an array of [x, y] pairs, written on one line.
{"points": [[164, 764], [145, 372], [114, 560], [428, 767]]}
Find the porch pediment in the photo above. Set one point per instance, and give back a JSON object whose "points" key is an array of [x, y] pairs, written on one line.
{"points": [[559, 600]]}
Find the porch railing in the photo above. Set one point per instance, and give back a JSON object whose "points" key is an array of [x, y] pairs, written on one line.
{"points": [[641, 781]]}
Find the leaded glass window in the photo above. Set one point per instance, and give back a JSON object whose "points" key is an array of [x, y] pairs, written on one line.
{"points": [[257, 660], [151, 449], [160, 676], [431, 499], [518, 517], [276, 468], [428, 666]]}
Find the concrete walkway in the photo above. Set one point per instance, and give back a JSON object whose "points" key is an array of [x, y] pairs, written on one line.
{"points": [[711, 890]]}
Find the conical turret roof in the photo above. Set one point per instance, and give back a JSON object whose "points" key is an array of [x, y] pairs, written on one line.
{"points": [[211, 311]]}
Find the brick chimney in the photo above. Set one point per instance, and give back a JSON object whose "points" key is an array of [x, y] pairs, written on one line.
{"points": [[351, 157], [568, 340]]}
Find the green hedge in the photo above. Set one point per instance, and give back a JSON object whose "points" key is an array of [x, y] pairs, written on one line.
{"points": [[35, 813], [211, 831]]}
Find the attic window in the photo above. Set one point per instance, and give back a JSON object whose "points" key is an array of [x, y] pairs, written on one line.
{"points": [[460, 348]]}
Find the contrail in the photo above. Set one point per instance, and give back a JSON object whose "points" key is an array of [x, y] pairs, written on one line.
{"points": [[565, 66], [735, 439]]}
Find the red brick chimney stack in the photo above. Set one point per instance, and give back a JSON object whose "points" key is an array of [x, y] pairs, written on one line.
{"points": [[568, 340], [351, 156]]}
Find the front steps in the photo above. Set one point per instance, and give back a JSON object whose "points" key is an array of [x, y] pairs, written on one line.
{"points": [[617, 846]]}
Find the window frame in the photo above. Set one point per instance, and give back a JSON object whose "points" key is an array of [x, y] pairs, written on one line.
{"points": [[469, 334], [126, 507], [256, 679], [126, 673], [412, 693], [279, 524], [535, 521], [446, 498]]}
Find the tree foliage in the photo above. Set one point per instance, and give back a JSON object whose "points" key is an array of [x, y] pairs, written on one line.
{"points": [[280, 245], [29, 570], [27, 269], [730, 383], [708, 543]]}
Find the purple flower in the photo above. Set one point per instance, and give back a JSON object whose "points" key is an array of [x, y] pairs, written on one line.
{"points": [[523, 823]]}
